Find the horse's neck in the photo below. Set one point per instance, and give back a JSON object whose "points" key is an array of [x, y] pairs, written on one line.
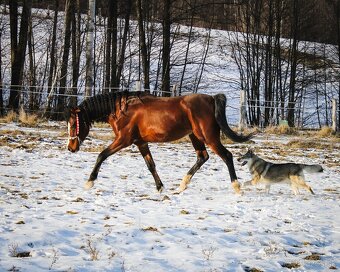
{"points": [[99, 107]]}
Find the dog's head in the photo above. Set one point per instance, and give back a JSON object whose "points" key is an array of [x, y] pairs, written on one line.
{"points": [[244, 159]]}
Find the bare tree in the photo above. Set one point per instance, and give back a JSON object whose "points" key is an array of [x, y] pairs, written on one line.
{"points": [[1, 81], [69, 10], [76, 51], [142, 42], [18, 48], [166, 24], [121, 55], [52, 64], [89, 48], [293, 63]]}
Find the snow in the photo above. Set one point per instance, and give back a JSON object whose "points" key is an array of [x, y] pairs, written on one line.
{"points": [[124, 224]]}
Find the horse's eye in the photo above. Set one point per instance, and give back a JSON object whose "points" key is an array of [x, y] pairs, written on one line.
{"points": [[74, 126]]}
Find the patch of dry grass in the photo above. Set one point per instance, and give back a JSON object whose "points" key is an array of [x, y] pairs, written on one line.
{"points": [[311, 144], [102, 136], [27, 119], [313, 257], [24, 118], [281, 130], [101, 125], [11, 116], [291, 265], [324, 132]]}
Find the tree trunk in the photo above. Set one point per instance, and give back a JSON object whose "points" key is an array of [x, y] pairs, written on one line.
{"points": [[2, 111], [294, 51], [75, 53], [166, 24], [18, 49], [52, 58], [69, 9], [108, 47], [268, 84], [32, 73], [89, 49], [114, 80], [186, 52], [121, 58], [338, 38], [142, 45], [202, 64]]}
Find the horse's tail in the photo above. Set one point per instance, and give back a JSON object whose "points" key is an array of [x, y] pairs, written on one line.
{"points": [[220, 105]]}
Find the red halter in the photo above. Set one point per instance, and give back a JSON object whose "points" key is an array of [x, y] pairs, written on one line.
{"points": [[77, 130], [77, 125]]}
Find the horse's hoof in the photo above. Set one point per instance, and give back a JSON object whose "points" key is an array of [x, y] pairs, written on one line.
{"points": [[180, 189], [160, 190], [237, 187], [89, 184]]}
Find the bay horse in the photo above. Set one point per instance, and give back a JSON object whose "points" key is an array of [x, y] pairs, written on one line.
{"points": [[139, 118]]}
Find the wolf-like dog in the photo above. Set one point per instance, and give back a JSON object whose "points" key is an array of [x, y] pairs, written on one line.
{"points": [[270, 173]]}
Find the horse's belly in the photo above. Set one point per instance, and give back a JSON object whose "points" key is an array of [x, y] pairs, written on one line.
{"points": [[164, 132]]}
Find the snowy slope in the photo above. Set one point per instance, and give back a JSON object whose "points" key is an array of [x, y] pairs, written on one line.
{"points": [[123, 224]]}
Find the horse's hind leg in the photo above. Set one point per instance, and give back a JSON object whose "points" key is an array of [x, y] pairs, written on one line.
{"points": [[227, 157], [145, 151], [202, 157]]}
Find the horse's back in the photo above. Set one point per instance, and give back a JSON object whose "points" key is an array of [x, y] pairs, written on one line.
{"points": [[161, 119]]}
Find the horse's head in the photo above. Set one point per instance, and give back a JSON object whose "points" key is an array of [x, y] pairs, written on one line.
{"points": [[77, 129]]}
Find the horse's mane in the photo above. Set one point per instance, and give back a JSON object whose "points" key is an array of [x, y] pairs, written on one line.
{"points": [[100, 106]]}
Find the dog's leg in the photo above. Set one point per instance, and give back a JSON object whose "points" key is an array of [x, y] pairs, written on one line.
{"points": [[300, 182], [267, 188], [295, 190], [255, 179], [247, 183]]}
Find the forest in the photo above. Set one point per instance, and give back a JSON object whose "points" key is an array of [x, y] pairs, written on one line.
{"points": [[285, 52]]}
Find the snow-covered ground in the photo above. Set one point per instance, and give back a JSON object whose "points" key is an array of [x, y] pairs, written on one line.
{"points": [[49, 222]]}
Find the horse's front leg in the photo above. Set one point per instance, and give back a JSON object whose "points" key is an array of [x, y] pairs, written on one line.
{"points": [[110, 150], [145, 151]]}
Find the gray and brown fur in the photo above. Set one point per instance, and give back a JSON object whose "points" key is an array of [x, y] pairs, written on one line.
{"points": [[270, 173]]}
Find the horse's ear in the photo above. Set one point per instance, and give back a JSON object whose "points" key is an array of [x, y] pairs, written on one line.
{"points": [[67, 113], [77, 110]]}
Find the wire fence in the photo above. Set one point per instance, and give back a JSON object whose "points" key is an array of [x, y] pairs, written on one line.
{"points": [[309, 116]]}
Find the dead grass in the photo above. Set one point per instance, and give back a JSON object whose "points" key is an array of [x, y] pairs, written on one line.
{"points": [[291, 265], [309, 144], [24, 118], [101, 125], [324, 132], [11, 116], [27, 119], [102, 136], [313, 257], [281, 130], [150, 229]]}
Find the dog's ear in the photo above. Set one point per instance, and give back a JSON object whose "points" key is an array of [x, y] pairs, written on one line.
{"points": [[250, 150]]}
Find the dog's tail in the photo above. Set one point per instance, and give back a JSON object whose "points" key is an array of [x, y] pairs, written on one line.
{"points": [[220, 104], [314, 168]]}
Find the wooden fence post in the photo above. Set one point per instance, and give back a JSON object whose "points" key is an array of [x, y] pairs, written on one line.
{"points": [[174, 90], [138, 86], [243, 111], [334, 115]]}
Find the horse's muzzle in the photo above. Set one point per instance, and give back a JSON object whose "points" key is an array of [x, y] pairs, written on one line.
{"points": [[73, 145], [72, 150]]}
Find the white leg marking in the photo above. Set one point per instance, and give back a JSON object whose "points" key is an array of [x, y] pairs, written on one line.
{"points": [[237, 187], [89, 184], [185, 181]]}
